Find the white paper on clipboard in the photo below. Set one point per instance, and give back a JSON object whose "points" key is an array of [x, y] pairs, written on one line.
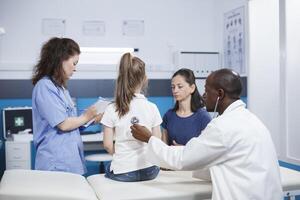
{"points": [[101, 105]]}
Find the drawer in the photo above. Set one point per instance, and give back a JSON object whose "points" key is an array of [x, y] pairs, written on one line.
{"points": [[17, 151], [18, 165]]}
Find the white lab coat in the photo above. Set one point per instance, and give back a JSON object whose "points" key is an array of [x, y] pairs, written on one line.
{"points": [[237, 149]]}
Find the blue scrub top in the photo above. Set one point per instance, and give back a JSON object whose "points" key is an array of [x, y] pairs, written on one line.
{"points": [[55, 150], [182, 129]]}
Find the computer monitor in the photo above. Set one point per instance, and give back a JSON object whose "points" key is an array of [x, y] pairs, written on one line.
{"points": [[16, 119]]}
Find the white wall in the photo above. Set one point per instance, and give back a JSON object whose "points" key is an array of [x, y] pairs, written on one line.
{"points": [[264, 67], [273, 92], [170, 25], [291, 140], [220, 8]]}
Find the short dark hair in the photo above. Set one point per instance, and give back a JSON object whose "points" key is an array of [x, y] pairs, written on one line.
{"points": [[228, 80], [196, 99], [52, 55]]}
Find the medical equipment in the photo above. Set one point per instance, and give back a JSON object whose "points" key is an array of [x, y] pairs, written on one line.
{"points": [[215, 109], [16, 120], [134, 120]]}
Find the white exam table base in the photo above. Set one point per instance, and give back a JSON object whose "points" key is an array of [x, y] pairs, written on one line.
{"points": [[42, 185]]}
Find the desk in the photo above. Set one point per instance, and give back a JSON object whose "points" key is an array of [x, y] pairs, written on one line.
{"points": [[93, 142], [97, 137]]}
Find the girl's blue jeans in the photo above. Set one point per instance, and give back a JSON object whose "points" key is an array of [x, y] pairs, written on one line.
{"points": [[134, 176]]}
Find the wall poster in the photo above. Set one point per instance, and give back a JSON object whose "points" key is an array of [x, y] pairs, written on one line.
{"points": [[234, 40]]}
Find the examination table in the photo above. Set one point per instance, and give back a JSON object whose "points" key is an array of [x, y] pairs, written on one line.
{"points": [[43, 185]]}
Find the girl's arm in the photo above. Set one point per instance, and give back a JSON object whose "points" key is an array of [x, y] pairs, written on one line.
{"points": [[108, 139], [165, 136], [156, 132]]}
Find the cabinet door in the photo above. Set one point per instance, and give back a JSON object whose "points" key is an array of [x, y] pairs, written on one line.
{"points": [[17, 151], [202, 63], [18, 165], [17, 155]]}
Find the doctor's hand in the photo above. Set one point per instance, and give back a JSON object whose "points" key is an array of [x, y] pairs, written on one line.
{"points": [[140, 133]]}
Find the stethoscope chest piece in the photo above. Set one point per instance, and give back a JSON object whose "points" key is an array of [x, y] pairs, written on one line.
{"points": [[134, 120]]}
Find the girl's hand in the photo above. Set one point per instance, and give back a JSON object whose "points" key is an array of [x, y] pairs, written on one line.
{"points": [[176, 144]]}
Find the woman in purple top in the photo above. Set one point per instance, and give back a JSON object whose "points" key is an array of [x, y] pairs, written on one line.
{"points": [[188, 117]]}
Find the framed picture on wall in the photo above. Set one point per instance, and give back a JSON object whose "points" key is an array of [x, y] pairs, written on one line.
{"points": [[54, 27], [234, 40], [133, 27]]}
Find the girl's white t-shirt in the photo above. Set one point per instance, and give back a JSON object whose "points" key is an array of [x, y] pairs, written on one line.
{"points": [[130, 154]]}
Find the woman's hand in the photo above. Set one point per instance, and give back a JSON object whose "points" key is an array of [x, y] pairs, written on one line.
{"points": [[98, 118], [90, 113]]}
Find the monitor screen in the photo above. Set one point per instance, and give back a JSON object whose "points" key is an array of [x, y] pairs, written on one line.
{"points": [[16, 120]]}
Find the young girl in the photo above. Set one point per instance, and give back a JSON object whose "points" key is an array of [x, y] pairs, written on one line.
{"points": [[129, 155]]}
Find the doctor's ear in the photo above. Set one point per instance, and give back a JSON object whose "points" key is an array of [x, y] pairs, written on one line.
{"points": [[221, 94]]}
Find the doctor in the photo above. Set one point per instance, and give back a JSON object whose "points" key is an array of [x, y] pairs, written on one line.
{"points": [[236, 147]]}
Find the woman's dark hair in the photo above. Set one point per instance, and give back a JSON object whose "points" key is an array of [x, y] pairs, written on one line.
{"points": [[52, 55], [196, 99]]}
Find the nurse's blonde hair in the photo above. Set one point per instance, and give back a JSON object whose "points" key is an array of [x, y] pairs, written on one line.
{"points": [[131, 76]]}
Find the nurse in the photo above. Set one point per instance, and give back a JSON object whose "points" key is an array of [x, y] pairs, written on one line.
{"points": [[55, 122], [236, 147], [188, 117]]}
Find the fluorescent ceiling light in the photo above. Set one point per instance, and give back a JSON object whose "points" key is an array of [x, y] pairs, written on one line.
{"points": [[102, 55], [106, 50]]}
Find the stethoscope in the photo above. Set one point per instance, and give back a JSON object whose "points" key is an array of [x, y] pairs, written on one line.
{"points": [[215, 109], [134, 120], [68, 98]]}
